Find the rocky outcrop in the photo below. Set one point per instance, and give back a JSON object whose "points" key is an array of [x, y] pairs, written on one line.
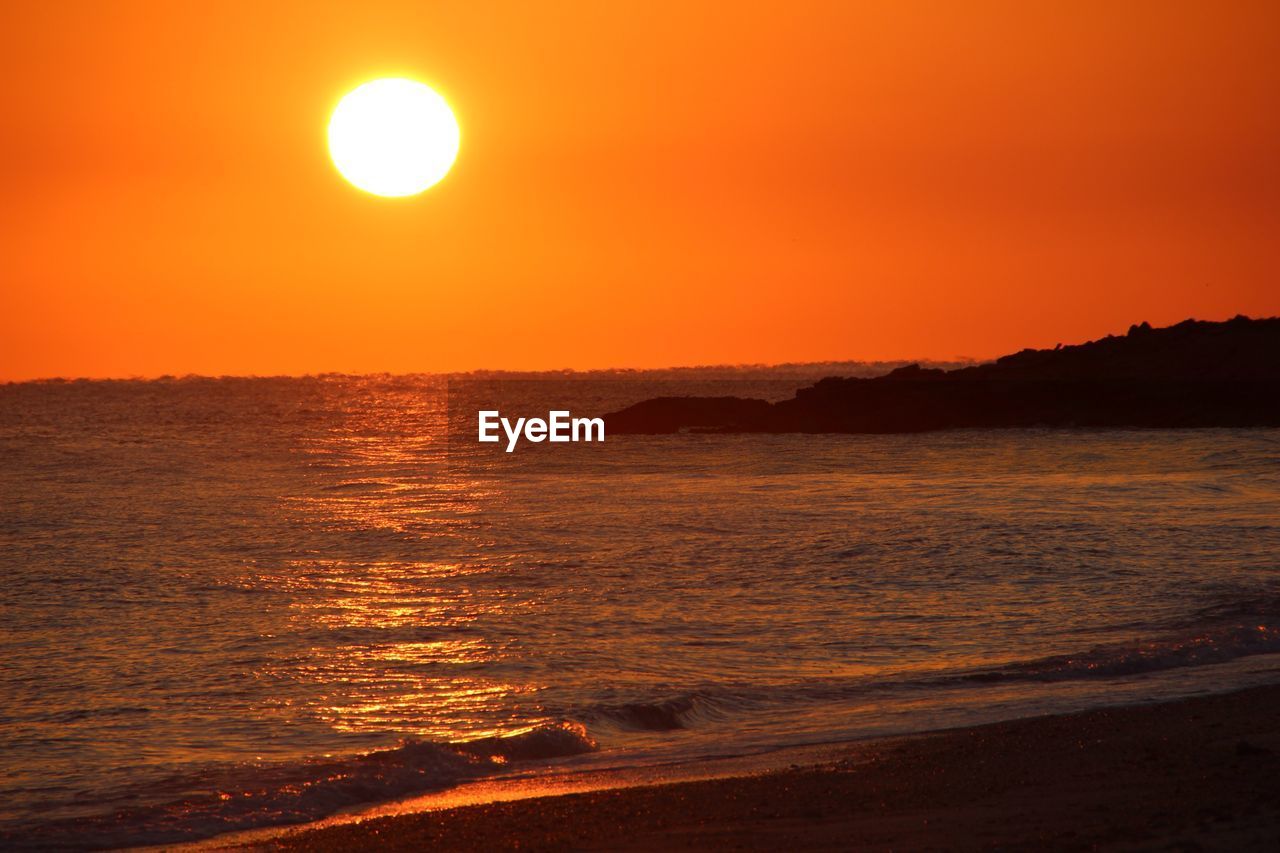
{"points": [[1193, 374]]}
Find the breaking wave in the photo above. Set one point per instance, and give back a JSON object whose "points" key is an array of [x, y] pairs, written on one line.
{"points": [[1250, 633], [1213, 646], [228, 798], [677, 712]]}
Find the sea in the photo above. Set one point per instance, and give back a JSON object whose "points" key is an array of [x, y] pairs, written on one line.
{"points": [[238, 603]]}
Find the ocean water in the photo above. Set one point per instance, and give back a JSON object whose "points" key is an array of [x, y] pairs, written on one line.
{"points": [[238, 603]]}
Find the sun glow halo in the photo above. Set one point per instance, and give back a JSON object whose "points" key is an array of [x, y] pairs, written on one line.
{"points": [[393, 137]]}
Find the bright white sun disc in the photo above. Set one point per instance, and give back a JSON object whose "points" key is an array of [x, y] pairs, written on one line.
{"points": [[393, 137]]}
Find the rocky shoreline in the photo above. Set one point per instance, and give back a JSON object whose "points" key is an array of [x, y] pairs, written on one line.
{"points": [[1195, 374]]}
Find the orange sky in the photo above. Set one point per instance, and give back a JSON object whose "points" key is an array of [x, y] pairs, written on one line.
{"points": [[640, 184]]}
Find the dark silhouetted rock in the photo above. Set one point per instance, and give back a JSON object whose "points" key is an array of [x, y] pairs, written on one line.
{"points": [[674, 414], [1193, 374]]}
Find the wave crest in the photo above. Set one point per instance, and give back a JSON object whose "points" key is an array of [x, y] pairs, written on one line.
{"points": [[228, 798], [676, 712], [1213, 646], [556, 740]]}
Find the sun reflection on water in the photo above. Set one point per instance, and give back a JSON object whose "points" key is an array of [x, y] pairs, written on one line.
{"points": [[394, 650], [396, 610]]}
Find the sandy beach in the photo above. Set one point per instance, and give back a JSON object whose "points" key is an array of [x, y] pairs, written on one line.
{"points": [[1201, 773]]}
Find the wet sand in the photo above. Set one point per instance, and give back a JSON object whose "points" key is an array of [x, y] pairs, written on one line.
{"points": [[1201, 773]]}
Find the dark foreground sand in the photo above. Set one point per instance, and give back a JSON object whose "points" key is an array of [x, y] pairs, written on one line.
{"points": [[1202, 773]]}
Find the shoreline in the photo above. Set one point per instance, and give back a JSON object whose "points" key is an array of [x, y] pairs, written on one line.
{"points": [[1196, 773]]}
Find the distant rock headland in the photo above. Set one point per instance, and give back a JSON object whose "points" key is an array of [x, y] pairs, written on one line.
{"points": [[1193, 374]]}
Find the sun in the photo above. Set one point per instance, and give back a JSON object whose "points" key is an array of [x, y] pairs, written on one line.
{"points": [[393, 137]]}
